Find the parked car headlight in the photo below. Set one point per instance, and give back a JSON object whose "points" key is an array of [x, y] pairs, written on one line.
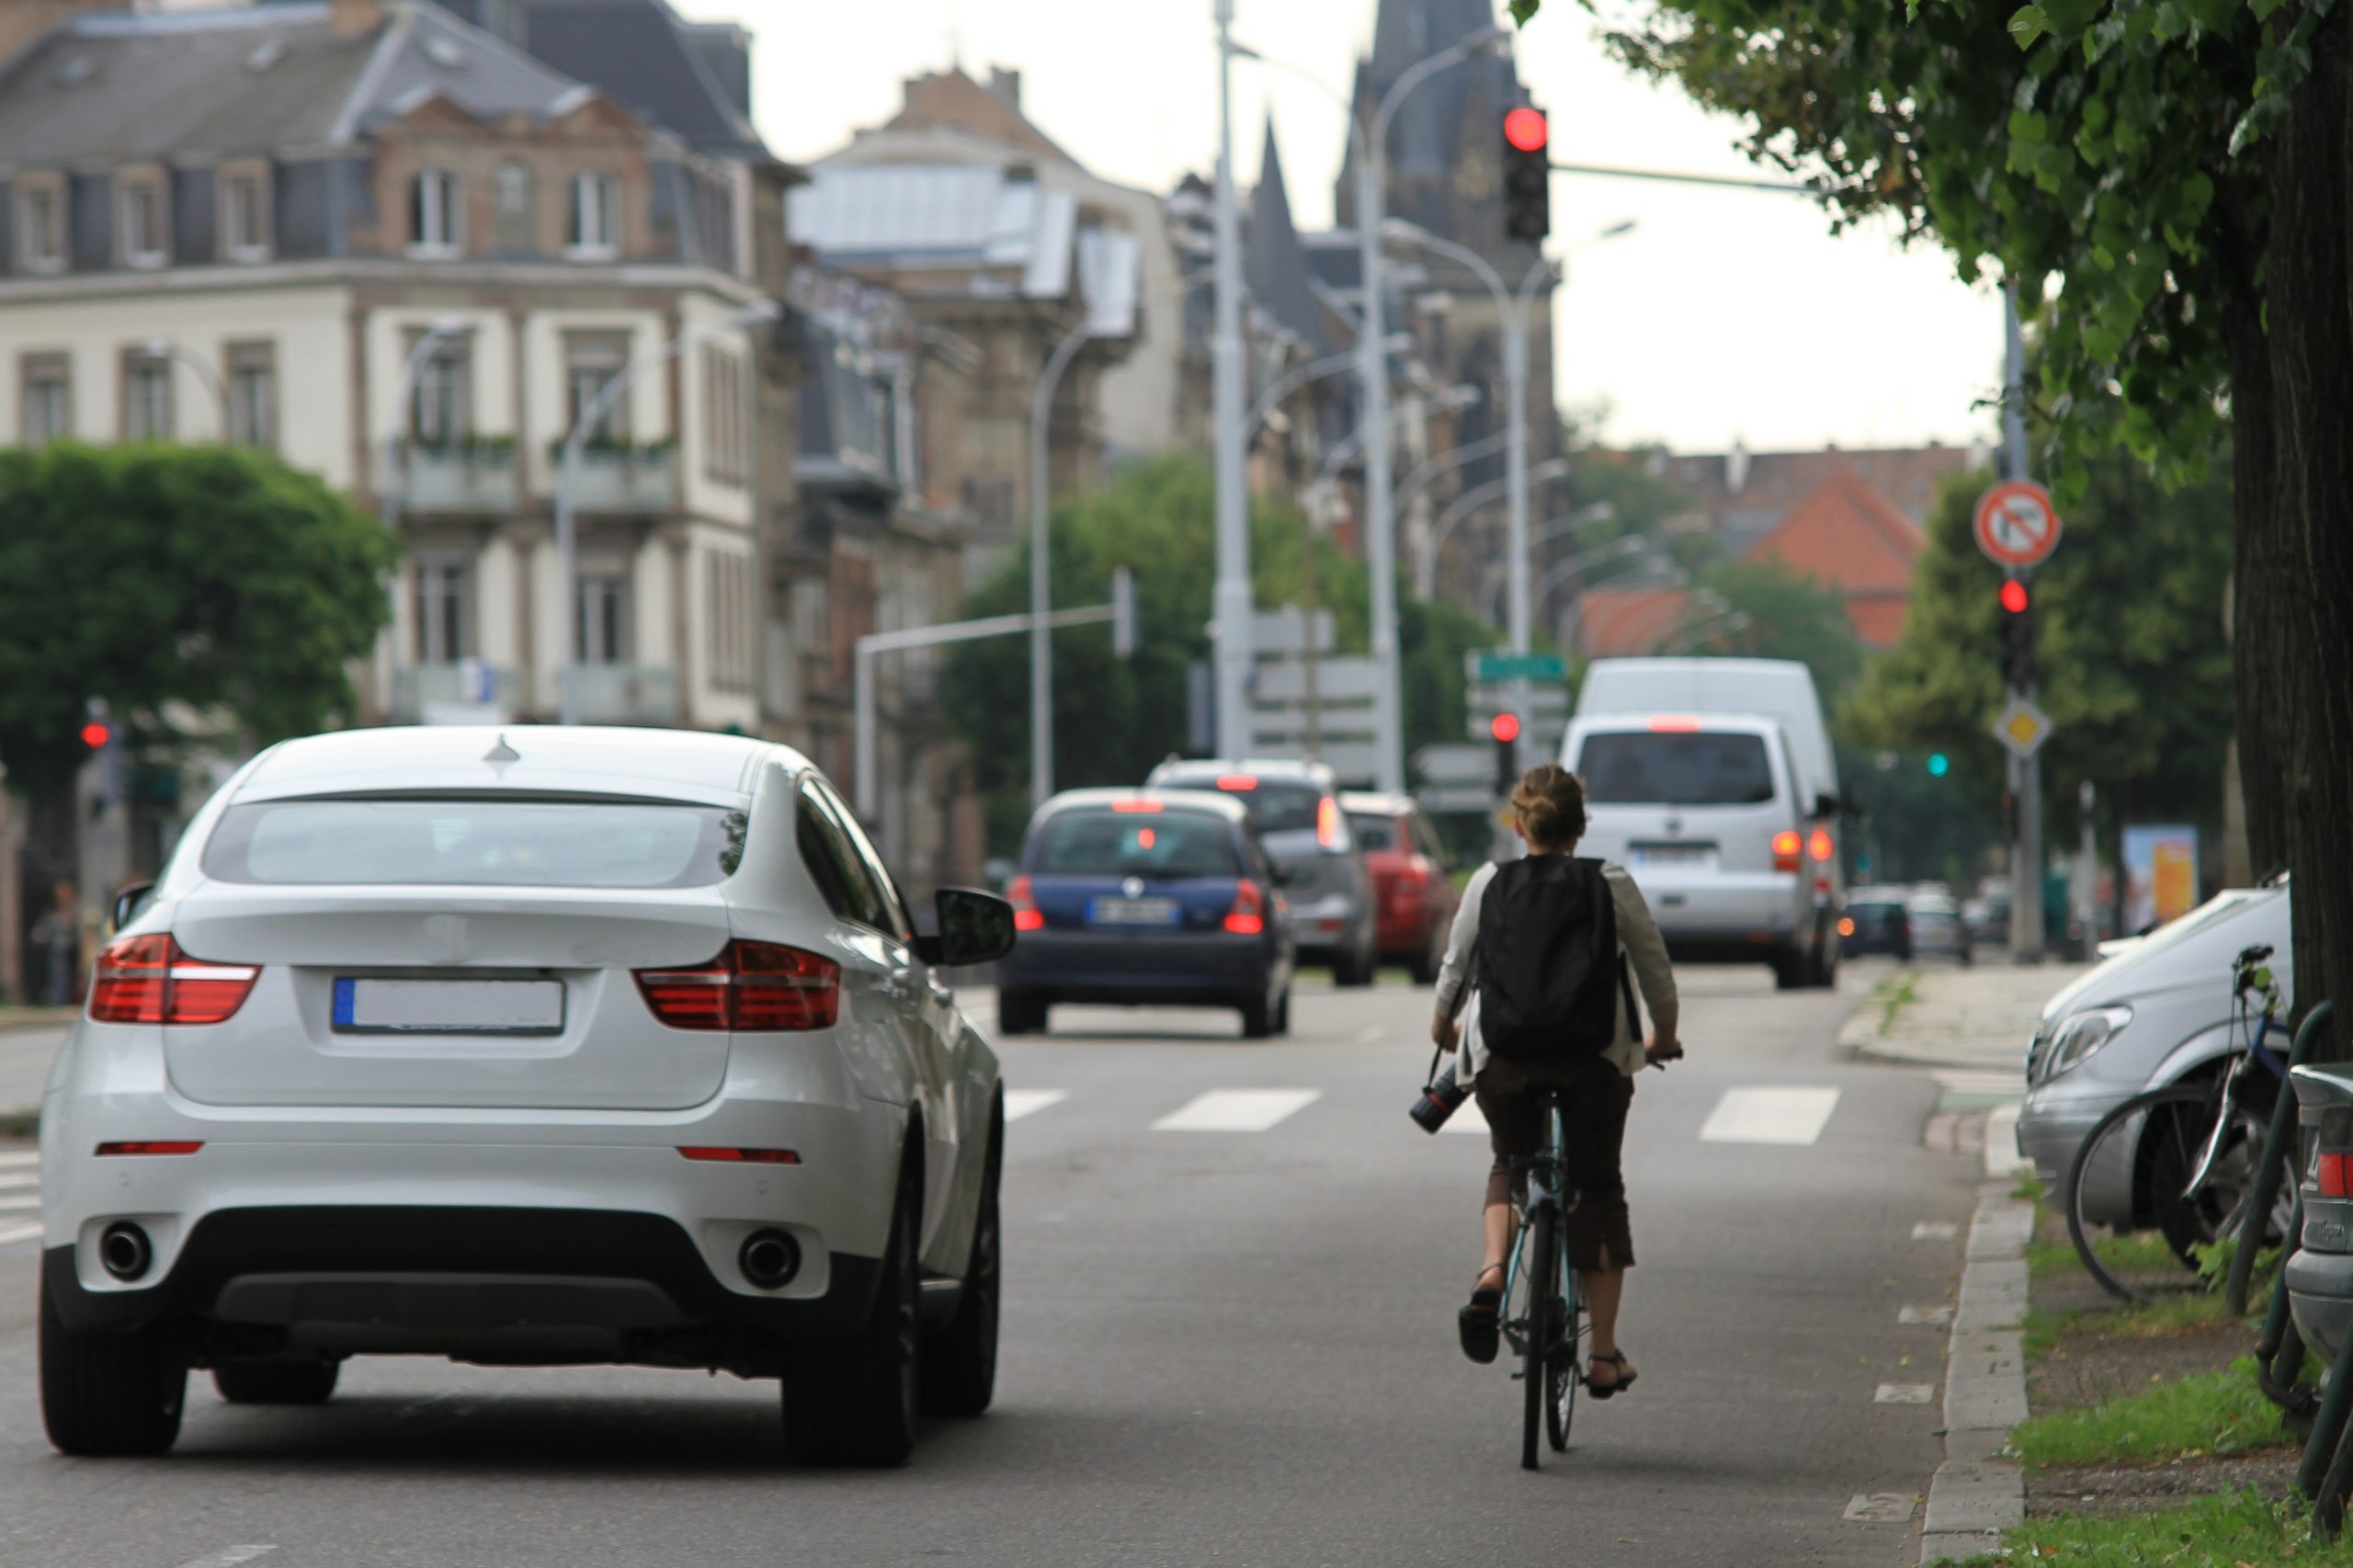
{"points": [[2081, 1034]]}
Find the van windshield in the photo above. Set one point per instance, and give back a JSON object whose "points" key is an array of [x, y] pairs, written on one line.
{"points": [[1649, 768]]}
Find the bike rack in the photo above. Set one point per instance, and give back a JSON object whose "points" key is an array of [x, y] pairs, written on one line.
{"points": [[2267, 1175]]}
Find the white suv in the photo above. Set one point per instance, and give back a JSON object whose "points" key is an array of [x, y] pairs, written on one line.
{"points": [[533, 1047]]}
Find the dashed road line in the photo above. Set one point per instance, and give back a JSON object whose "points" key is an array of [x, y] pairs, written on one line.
{"points": [[227, 1557], [1906, 1393], [1020, 1103], [1237, 1111], [17, 1233], [1788, 1116], [1933, 1231]]}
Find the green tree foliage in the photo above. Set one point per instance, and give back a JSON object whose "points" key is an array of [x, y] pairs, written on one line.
{"points": [[1789, 615], [2135, 668], [212, 578], [1114, 718]]}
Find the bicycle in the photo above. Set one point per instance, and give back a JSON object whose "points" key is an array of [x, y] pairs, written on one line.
{"points": [[1549, 1333], [2180, 1159]]}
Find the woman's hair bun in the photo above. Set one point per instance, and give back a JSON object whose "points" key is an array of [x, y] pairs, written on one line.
{"points": [[1550, 801]]}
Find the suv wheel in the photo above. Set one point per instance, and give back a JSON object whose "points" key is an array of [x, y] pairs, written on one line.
{"points": [[1355, 967], [106, 1394], [960, 1361], [1020, 1012], [1788, 969], [855, 1404], [1257, 1019], [276, 1382]]}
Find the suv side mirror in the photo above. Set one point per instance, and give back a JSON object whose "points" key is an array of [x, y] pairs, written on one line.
{"points": [[974, 928], [130, 902]]}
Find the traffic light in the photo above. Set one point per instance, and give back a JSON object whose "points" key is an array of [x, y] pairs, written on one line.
{"points": [[1527, 175], [96, 733], [1504, 727], [2017, 635], [1938, 764]]}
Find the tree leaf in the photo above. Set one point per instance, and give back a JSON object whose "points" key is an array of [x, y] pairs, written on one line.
{"points": [[2027, 23]]}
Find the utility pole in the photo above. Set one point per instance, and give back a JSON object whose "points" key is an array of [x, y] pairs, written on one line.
{"points": [[1233, 603], [2026, 772]]}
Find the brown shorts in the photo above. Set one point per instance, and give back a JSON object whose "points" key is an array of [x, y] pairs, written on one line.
{"points": [[1593, 1100]]}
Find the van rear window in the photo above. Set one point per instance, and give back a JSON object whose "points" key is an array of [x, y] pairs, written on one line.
{"points": [[1648, 767]]}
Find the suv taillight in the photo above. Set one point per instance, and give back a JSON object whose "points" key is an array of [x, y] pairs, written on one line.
{"points": [[148, 980], [1027, 916], [1248, 915], [2331, 1166], [749, 987], [1787, 846], [1327, 824]]}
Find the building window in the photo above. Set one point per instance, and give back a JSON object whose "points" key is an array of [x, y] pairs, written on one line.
{"points": [[594, 217], [604, 617], [46, 398], [727, 435], [511, 186], [244, 213], [253, 394], [144, 227], [441, 411], [444, 592], [146, 396], [432, 213], [591, 361], [728, 582], [41, 223]]}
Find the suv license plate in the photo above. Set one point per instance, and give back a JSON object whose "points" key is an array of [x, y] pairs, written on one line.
{"points": [[1673, 854], [1133, 912], [449, 1006]]}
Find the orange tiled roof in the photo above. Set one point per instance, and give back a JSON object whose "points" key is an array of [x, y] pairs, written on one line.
{"points": [[1628, 622], [1847, 534]]}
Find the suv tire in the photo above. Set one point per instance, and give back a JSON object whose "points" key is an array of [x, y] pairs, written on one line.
{"points": [[1357, 967], [854, 1403], [107, 1395], [960, 1361], [276, 1382], [1789, 971], [1020, 1012], [1257, 1017]]}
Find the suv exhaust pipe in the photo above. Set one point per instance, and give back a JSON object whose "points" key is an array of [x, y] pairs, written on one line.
{"points": [[769, 1258], [124, 1250]]}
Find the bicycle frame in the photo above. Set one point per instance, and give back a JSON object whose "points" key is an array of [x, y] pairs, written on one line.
{"points": [[1546, 1169], [2250, 980]]}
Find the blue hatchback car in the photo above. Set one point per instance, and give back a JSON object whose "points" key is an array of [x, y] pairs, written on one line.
{"points": [[1146, 897]]}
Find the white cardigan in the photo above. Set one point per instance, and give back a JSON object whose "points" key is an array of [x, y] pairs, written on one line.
{"points": [[1638, 938]]}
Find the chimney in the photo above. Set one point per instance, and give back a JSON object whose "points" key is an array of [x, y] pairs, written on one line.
{"points": [[1007, 85], [348, 17]]}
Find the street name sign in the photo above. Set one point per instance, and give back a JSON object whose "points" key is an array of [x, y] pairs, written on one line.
{"points": [[1536, 700], [1496, 666], [2016, 524], [2022, 728]]}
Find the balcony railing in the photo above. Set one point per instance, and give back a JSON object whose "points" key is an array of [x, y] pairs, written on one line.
{"points": [[624, 694], [642, 479], [467, 691], [459, 478]]}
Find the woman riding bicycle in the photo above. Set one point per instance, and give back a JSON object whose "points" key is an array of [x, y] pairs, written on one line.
{"points": [[1510, 1059]]}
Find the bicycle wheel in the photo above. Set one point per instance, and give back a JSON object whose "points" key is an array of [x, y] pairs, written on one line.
{"points": [[2128, 1213], [1544, 1317], [1563, 1368]]}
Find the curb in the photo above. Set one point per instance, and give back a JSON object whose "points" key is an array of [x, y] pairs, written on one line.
{"points": [[1976, 1493]]}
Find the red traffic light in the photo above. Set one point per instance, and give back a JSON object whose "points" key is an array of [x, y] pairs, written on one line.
{"points": [[1504, 727], [1524, 127], [96, 733], [2014, 596]]}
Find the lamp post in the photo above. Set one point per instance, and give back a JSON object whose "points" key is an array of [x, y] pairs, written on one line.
{"points": [[1561, 570], [1313, 370], [393, 483], [165, 348], [1472, 500], [758, 312], [1231, 603], [1041, 631]]}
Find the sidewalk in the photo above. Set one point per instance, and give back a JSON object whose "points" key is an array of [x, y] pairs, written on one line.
{"points": [[1980, 1018]]}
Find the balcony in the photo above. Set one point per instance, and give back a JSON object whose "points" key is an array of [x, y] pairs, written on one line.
{"points": [[469, 476], [626, 693], [625, 479], [465, 692]]}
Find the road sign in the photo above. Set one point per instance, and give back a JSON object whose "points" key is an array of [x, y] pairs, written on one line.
{"points": [[1285, 631], [1459, 797], [1455, 764], [1354, 678], [1536, 700], [2016, 525], [1494, 665], [2022, 727]]}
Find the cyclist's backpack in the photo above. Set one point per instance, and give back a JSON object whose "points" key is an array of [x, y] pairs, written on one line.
{"points": [[1549, 970]]}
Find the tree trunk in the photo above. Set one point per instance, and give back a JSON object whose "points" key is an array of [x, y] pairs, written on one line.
{"points": [[2262, 578], [2310, 312]]}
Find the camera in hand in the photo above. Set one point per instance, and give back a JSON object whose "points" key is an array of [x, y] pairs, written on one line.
{"points": [[1440, 1099]]}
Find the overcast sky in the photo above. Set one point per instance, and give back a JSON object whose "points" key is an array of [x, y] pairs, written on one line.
{"points": [[1724, 313]]}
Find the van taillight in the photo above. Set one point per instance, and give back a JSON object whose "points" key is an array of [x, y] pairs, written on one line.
{"points": [[148, 980], [1248, 915], [1819, 845], [1027, 916], [1786, 844], [749, 987]]}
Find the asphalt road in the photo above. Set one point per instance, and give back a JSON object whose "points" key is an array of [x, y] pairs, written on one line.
{"points": [[1228, 1346]]}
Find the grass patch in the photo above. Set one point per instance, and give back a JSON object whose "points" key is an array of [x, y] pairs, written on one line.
{"points": [[1894, 993], [2141, 1249], [2028, 1188], [2219, 1413], [2154, 1320], [2244, 1531]]}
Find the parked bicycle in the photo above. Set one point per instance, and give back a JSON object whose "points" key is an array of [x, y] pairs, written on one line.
{"points": [[2180, 1161]]}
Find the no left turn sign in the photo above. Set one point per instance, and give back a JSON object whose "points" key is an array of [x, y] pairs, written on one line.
{"points": [[2016, 524]]}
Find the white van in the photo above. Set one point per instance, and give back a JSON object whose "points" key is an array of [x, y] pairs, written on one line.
{"points": [[1710, 812], [1780, 689]]}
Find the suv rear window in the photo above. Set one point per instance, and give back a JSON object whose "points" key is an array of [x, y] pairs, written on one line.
{"points": [[1275, 806], [1373, 833], [475, 842], [1135, 843], [1650, 767]]}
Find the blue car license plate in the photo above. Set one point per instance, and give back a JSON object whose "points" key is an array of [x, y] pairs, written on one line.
{"points": [[1132, 912]]}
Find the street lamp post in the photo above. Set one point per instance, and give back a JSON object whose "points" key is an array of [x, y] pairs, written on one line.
{"points": [[592, 415], [1561, 570], [165, 348], [1041, 631], [392, 483], [1232, 604], [1471, 501]]}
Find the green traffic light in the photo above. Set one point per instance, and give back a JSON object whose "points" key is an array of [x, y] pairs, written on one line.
{"points": [[1938, 764]]}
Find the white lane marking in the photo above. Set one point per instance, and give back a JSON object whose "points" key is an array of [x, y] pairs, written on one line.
{"points": [[1467, 1118], [227, 1557], [1370, 1035], [29, 1157], [1904, 1393], [1939, 1316], [29, 1200], [17, 1233], [1878, 1508], [1794, 1117], [33, 1179], [1020, 1103], [1236, 1110], [1933, 1231]]}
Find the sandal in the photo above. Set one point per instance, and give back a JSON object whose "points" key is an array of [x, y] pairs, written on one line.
{"points": [[1625, 1379], [1480, 1322]]}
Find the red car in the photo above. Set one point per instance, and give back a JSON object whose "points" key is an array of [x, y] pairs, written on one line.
{"points": [[1413, 898]]}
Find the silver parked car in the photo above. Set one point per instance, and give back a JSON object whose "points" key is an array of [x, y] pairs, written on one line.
{"points": [[1938, 928]]}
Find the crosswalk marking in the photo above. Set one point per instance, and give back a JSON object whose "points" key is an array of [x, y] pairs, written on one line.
{"points": [[1794, 1117], [1236, 1110], [23, 1193], [23, 1157], [24, 1200], [19, 1232], [30, 1179], [1020, 1103]]}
